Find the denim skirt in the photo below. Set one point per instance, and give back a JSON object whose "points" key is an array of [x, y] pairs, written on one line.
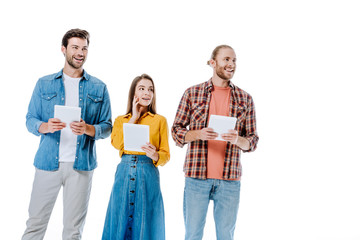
{"points": [[136, 209]]}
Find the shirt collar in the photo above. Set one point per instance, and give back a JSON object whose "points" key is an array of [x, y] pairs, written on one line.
{"points": [[210, 87], [145, 114], [85, 75]]}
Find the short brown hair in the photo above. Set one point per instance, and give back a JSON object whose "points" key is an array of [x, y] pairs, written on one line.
{"points": [[76, 32], [152, 106], [216, 51]]}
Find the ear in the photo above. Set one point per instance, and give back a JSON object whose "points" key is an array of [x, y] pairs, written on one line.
{"points": [[212, 63], [63, 50]]}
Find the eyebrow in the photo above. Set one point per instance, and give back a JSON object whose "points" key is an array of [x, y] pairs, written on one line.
{"points": [[145, 86], [74, 45], [230, 57]]}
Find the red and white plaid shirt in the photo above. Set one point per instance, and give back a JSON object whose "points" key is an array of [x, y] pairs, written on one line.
{"points": [[193, 113]]}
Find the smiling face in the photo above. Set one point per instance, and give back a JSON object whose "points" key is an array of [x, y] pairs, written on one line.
{"points": [[144, 92], [224, 63], [75, 53]]}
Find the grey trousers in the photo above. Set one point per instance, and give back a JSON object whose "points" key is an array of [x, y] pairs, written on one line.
{"points": [[76, 193]]}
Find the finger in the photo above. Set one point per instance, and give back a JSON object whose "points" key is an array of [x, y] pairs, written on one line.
{"points": [[145, 147], [79, 124], [58, 124], [76, 128], [213, 134], [54, 120], [225, 135], [146, 150], [151, 146]]}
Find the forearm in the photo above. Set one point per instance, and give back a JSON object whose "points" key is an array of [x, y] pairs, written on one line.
{"points": [[44, 128], [192, 135], [90, 130], [243, 143]]}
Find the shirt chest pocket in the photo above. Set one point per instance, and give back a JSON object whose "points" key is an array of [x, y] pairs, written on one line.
{"points": [[240, 114], [198, 116], [93, 104], [48, 100]]}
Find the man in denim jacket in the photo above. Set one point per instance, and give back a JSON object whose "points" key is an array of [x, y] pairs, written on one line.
{"points": [[66, 155]]}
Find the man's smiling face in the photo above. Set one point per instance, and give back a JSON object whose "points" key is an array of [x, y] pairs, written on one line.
{"points": [[225, 63], [76, 52]]}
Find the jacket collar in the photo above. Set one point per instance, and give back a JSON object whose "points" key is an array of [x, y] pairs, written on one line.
{"points": [[85, 75]]}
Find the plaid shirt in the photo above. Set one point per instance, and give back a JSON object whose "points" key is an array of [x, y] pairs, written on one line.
{"points": [[193, 111]]}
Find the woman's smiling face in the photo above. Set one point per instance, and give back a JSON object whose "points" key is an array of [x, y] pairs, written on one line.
{"points": [[144, 92]]}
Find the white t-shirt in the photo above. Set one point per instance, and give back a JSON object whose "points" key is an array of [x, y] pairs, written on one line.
{"points": [[68, 140]]}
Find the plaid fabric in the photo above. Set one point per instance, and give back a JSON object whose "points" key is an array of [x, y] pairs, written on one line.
{"points": [[192, 114]]}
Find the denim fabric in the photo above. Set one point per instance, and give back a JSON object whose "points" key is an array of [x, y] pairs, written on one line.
{"points": [[136, 209], [95, 107], [226, 197]]}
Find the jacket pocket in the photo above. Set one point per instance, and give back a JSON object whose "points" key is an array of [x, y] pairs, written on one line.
{"points": [[93, 106], [48, 101]]}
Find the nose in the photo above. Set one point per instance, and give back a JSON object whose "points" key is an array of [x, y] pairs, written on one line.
{"points": [[231, 63], [80, 52]]}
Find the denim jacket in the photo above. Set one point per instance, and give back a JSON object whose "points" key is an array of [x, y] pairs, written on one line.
{"points": [[95, 107]]}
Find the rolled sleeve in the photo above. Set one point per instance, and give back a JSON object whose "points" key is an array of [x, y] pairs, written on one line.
{"points": [[33, 116], [182, 119], [250, 127], [104, 127], [164, 150]]}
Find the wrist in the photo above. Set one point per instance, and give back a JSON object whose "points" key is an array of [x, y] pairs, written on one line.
{"points": [[89, 130], [192, 135], [44, 128], [133, 119], [243, 143]]}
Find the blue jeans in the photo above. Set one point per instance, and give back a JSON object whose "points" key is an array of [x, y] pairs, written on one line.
{"points": [[197, 194]]}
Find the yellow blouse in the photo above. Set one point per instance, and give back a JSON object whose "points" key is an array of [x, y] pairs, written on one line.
{"points": [[158, 135]]}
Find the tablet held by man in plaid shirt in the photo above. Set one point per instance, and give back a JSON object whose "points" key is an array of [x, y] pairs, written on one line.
{"points": [[212, 167]]}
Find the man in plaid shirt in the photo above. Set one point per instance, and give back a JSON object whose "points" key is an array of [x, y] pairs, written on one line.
{"points": [[212, 168]]}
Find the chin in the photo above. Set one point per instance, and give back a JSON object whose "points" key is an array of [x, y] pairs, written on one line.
{"points": [[144, 104]]}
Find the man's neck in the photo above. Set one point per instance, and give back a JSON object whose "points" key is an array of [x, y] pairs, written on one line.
{"points": [[72, 72], [219, 82]]}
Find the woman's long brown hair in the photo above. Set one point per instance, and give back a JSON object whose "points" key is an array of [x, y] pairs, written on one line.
{"points": [[152, 106]]}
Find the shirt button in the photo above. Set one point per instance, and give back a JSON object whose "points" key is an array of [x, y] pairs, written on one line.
{"points": [[80, 99]]}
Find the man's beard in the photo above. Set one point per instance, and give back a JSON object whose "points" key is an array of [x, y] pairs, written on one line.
{"points": [[221, 73], [72, 64]]}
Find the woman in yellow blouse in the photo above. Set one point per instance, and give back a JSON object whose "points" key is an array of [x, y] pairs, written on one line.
{"points": [[136, 209]]}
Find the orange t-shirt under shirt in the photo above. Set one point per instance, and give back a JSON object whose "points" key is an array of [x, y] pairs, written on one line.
{"points": [[219, 105]]}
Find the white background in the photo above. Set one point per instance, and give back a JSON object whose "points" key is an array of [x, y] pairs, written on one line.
{"points": [[298, 59]]}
